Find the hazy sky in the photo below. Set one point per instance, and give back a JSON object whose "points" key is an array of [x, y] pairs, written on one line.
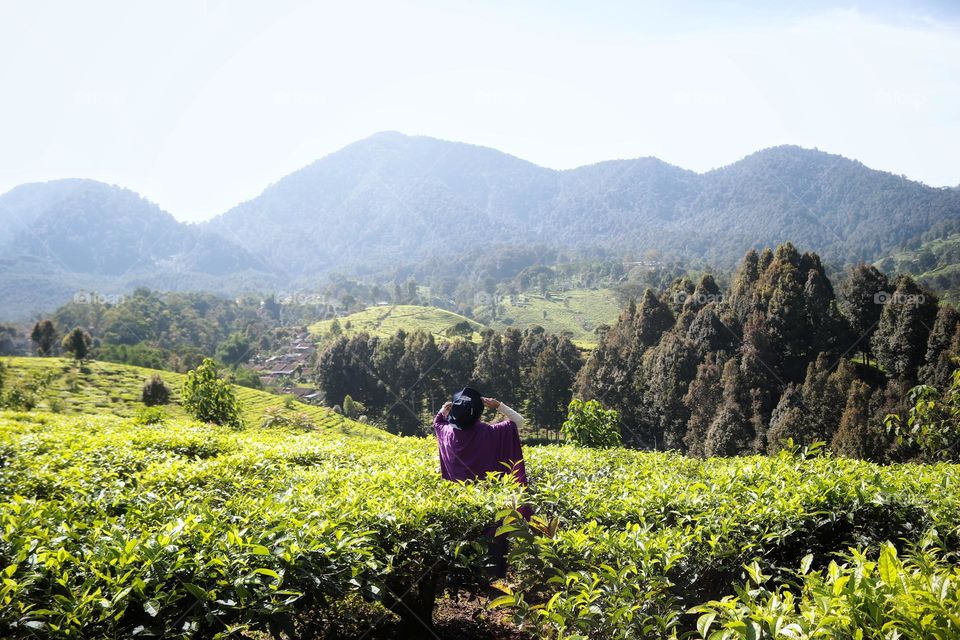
{"points": [[200, 105]]}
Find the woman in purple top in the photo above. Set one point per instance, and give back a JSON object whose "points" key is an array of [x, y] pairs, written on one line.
{"points": [[471, 448]]}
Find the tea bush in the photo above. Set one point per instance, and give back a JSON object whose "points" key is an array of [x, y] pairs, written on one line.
{"points": [[109, 528]]}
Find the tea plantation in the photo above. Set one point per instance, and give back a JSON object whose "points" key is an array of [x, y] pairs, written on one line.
{"points": [[112, 529]]}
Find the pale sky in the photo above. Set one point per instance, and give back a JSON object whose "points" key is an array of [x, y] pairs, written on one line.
{"points": [[200, 105]]}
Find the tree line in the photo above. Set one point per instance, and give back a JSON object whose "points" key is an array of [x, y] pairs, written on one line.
{"points": [[403, 379], [779, 357]]}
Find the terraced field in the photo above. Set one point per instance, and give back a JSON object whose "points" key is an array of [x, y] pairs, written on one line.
{"points": [[387, 320], [577, 311], [110, 388]]}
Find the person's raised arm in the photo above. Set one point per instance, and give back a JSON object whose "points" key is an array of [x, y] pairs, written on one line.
{"points": [[441, 417], [507, 412]]}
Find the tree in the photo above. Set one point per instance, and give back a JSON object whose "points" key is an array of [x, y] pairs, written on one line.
{"points": [[235, 350], [208, 398], [653, 318], [668, 369], [900, 341], [8, 340], [352, 409], [551, 381], [703, 399], [155, 391], [459, 359], [858, 302], [858, 436], [730, 433], [943, 347], [44, 335], [588, 424], [77, 343]]}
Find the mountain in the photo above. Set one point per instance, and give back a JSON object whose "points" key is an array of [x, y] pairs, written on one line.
{"points": [[61, 238], [393, 199]]}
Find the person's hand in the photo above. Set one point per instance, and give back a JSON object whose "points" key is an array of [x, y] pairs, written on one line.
{"points": [[445, 410], [491, 403]]}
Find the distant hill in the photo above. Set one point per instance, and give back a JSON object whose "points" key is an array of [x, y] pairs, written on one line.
{"points": [[393, 204], [63, 237], [386, 320], [393, 198]]}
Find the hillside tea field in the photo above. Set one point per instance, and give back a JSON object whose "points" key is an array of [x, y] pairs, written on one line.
{"points": [[109, 529]]}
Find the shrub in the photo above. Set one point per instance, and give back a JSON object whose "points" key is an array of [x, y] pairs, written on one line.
{"points": [[208, 398], [351, 408], [20, 397], [155, 391], [932, 422], [276, 417], [588, 424], [149, 415]]}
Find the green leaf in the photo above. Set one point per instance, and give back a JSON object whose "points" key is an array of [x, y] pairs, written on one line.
{"points": [[197, 592], [704, 623], [887, 565]]}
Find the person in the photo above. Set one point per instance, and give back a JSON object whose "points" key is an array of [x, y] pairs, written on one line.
{"points": [[471, 448]]}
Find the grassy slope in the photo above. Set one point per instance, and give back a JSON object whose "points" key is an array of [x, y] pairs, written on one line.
{"points": [[945, 251], [112, 388], [578, 311], [386, 320]]}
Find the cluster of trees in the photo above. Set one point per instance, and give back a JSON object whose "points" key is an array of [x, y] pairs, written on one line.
{"points": [[403, 379], [169, 331], [779, 356]]}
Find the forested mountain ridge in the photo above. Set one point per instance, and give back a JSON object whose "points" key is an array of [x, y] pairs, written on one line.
{"points": [[393, 197], [391, 205], [87, 226], [60, 238]]}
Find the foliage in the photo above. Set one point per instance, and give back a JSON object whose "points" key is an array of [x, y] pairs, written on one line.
{"points": [[155, 391], [588, 424], [150, 415], [208, 398], [933, 421], [44, 335], [194, 530], [235, 350], [860, 597], [277, 417], [77, 343]]}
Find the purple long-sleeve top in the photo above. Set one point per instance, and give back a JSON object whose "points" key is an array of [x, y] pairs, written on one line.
{"points": [[469, 454]]}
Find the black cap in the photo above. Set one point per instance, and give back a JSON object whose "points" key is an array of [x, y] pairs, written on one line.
{"points": [[466, 409]]}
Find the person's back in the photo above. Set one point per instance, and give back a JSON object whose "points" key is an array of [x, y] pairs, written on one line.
{"points": [[471, 448], [471, 452]]}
